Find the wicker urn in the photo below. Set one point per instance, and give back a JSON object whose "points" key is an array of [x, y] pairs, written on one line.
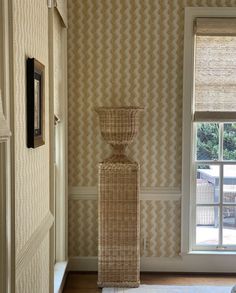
{"points": [[119, 125], [118, 202]]}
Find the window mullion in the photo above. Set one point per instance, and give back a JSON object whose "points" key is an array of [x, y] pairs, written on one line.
{"points": [[221, 138], [193, 200], [221, 209], [221, 129], [194, 212]]}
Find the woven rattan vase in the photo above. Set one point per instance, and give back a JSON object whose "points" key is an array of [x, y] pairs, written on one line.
{"points": [[118, 203]]}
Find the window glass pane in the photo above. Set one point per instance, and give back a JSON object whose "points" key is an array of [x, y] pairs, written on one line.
{"points": [[229, 183], [215, 73], [229, 225], [207, 230], [207, 141], [229, 143], [207, 189]]}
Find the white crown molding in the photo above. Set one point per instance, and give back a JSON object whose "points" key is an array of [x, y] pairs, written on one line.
{"points": [[146, 193], [30, 248], [188, 263]]}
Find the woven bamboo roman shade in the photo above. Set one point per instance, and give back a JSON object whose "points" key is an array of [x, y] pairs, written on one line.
{"points": [[215, 69], [214, 26]]}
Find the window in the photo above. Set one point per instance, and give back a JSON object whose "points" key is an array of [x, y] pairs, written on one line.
{"points": [[215, 186], [214, 147], [209, 132]]}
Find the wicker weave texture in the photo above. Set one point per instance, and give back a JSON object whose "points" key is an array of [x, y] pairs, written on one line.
{"points": [[118, 216], [119, 125]]}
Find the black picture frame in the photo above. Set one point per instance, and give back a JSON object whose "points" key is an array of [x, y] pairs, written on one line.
{"points": [[35, 103]]}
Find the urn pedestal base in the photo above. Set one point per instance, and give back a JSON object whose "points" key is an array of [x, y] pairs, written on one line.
{"points": [[118, 217]]}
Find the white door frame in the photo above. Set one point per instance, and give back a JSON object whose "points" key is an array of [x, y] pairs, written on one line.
{"points": [[61, 186], [7, 243], [58, 136], [51, 138], [7, 266]]}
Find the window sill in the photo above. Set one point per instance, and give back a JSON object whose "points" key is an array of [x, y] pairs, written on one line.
{"points": [[59, 276]]}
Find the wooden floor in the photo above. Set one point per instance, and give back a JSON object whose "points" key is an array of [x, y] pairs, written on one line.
{"points": [[87, 282]]}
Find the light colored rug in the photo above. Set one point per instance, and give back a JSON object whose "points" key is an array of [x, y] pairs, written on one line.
{"points": [[170, 289]]}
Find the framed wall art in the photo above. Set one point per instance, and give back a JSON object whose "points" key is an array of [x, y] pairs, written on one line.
{"points": [[35, 103]]}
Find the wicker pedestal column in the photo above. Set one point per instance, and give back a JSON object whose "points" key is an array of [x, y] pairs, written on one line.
{"points": [[118, 203], [118, 259]]}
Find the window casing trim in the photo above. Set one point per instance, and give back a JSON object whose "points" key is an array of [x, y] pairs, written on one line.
{"points": [[187, 215]]}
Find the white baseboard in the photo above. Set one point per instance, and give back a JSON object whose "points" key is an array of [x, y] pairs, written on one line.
{"points": [[87, 264], [187, 263]]}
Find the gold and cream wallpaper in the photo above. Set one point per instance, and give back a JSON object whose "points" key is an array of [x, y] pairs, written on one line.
{"points": [[160, 228], [127, 52]]}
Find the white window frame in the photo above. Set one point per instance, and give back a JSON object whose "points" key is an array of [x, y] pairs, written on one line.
{"points": [[221, 163], [188, 172]]}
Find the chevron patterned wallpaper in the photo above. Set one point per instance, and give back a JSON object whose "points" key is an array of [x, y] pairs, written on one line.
{"points": [[127, 52], [160, 228], [117, 56]]}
